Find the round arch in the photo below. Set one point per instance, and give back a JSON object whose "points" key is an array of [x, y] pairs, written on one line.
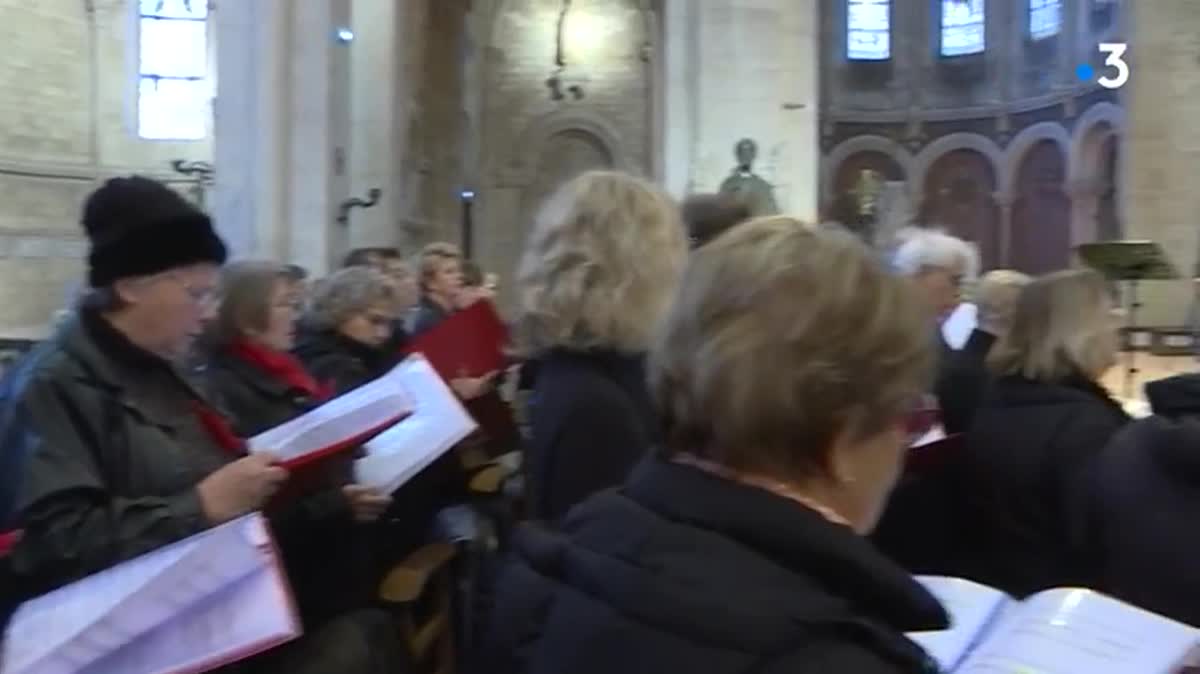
{"points": [[1023, 142], [949, 143], [519, 169], [850, 147], [1079, 160]]}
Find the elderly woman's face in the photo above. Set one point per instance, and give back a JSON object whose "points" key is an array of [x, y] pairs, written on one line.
{"points": [[371, 327], [173, 307], [942, 288]]}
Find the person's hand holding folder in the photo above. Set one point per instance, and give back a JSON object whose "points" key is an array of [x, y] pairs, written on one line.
{"points": [[240, 487], [470, 388], [366, 503]]}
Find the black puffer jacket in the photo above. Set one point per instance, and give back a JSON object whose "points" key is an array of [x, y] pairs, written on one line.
{"points": [[1144, 504], [682, 571], [1029, 451]]}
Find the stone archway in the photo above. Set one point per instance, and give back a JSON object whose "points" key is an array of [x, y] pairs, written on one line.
{"points": [[563, 156]]}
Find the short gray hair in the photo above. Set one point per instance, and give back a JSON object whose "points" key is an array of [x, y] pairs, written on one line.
{"points": [[347, 293], [996, 299], [922, 249]]}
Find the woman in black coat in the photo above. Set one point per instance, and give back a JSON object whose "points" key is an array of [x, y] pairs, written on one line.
{"points": [[738, 546], [600, 267], [259, 385], [1038, 432], [345, 341]]}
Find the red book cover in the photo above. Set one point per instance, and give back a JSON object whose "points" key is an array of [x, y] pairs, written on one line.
{"points": [[468, 343]]}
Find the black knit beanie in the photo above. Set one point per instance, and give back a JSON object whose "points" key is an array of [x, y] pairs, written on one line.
{"points": [[138, 226]]}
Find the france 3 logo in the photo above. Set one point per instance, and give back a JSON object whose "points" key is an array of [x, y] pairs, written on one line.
{"points": [[1115, 62]]}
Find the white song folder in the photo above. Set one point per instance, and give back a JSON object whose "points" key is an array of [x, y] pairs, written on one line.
{"points": [[438, 421], [340, 424], [198, 604]]}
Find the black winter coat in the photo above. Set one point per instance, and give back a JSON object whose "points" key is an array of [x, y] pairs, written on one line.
{"points": [[1144, 503], [682, 571], [102, 453], [591, 421], [1029, 451], [324, 550], [962, 381]]}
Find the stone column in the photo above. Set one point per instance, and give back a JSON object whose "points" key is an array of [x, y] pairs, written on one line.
{"points": [[378, 119], [281, 129], [734, 69], [1162, 145]]}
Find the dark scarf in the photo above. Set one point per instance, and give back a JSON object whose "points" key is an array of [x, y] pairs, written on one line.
{"points": [[280, 366]]}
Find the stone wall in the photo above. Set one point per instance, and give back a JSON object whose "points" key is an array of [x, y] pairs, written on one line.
{"points": [[532, 139], [66, 122], [1163, 146]]}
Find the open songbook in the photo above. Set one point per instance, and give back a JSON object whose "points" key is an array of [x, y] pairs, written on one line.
{"points": [[201, 603], [342, 423], [437, 422], [1062, 631]]}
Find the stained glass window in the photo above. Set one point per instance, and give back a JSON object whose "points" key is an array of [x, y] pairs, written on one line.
{"points": [[962, 27], [1045, 18], [173, 87], [869, 30]]}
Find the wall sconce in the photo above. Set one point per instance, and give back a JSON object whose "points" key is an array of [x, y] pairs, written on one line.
{"points": [[347, 205]]}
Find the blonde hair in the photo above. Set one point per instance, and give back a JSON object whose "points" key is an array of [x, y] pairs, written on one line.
{"points": [[431, 258], [784, 335], [349, 292], [1062, 326], [996, 298], [601, 263], [245, 297]]}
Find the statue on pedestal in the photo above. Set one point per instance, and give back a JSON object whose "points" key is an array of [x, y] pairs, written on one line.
{"points": [[756, 193]]}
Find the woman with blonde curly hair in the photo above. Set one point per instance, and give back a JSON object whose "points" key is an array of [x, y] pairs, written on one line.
{"points": [[602, 261]]}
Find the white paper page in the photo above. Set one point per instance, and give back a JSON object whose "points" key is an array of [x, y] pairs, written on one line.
{"points": [[351, 414], [246, 618], [65, 630], [972, 608], [1082, 632], [437, 423], [938, 432]]}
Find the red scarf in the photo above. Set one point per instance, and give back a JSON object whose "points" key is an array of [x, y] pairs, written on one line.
{"points": [[218, 428], [282, 366]]}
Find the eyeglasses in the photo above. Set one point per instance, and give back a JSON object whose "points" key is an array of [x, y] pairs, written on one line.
{"points": [[201, 296]]}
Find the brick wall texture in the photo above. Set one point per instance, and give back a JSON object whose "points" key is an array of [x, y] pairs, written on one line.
{"points": [[66, 121]]}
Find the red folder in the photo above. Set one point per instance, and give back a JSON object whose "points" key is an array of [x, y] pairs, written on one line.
{"points": [[468, 343]]}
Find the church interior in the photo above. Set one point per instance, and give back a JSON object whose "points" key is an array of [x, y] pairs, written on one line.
{"points": [[1021, 155]]}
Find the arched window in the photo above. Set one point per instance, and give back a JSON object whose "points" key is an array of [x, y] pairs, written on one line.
{"points": [[962, 27], [869, 30], [173, 85], [1045, 18]]}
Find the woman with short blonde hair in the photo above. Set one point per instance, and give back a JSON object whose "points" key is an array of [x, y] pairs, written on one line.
{"points": [[601, 263], [748, 377], [785, 374], [1039, 429]]}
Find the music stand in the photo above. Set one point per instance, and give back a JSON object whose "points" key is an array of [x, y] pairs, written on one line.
{"points": [[1130, 262]]}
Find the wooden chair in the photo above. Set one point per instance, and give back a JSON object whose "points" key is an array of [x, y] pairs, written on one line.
{"points": [[420, 591]]}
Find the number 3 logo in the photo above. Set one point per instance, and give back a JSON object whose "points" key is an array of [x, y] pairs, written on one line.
{"points": [[1116, 59]]}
